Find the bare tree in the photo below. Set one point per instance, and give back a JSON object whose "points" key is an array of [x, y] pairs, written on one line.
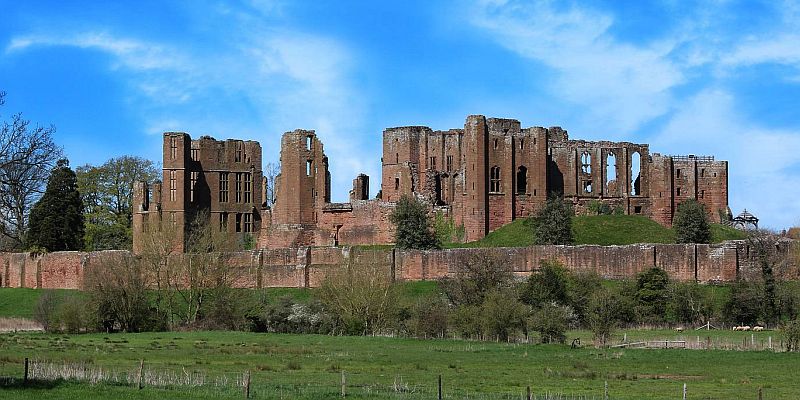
{"points": [[118, 294], [159, 251], [27, 154], [271, 171]]}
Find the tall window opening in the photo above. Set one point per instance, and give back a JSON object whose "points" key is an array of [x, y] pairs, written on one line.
{"points": [[494, 179], [173, 186], [308, 168], [636, 170], [433, 162], [238, 222], [248, 222], [223, 222], [449, 163], [522, 180], [248, 189], [173, 147], [396, 183], [586, 162], [309, 140], [223, 187], [239, 181], [192, 184], [237, 157], [611, 173]]}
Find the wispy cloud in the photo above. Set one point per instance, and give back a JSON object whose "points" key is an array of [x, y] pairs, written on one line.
{"points": [[283, 80], [622, 85]]}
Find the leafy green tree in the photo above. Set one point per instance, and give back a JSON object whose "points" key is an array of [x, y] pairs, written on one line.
{"points": [[502, 314], [552, 320], [691, 223], [744, 306], [56, 221], [413, 227], [553, 223], [548, 285], [603, 315], [651, 295], [107, 195], [580, 287]]}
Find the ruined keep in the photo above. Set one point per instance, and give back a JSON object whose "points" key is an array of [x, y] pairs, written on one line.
{"points": [[220, 179], [483, 176]]}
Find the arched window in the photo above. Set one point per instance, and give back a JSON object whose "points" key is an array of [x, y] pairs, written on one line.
{"points": [[494, 179], [611, 173], [522, 180]]}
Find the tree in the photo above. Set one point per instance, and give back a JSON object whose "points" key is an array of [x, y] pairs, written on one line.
{"points": [[553, 223], [118, 295], [651, 295], [548, 285], [476, 276], [552, 320], [27, 154], [413, 227], [765, 246], [107, 194], [271, 171], [56, 221], [361, 297], [691, 223], [603, 315], [502, 314]]}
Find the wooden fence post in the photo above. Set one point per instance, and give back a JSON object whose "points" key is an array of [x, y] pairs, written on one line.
{"points": [[440, 387], [25, 380], [528, 391], [605, 391], [760, 393], [684, 391], [141, 373], [344, 385], [247, 385]]}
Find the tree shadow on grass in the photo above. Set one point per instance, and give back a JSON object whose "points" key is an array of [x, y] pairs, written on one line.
{"points": [[16, 383]]}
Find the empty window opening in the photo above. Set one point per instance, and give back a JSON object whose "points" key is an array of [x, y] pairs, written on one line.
{"points": [[702, 172], [396, 183], [309, 139], [248, 188], [308, 168], [678, 173], [238, 153], [636, 169], [586, 162], [534, 192], [449, 163], [678, 191], [715, 174], [611, 173], [521, 144], [587, 186], [248, 222], [173, 186], [397, 158], [522, 180], [495, 144], [433, 162], [494, 180], [534, 141], [238, 222], [239, 184], [172, 219], [702, 194], [637, 209], [223, 222], [223, 187], [192, 184], [173, 147], [195, 153]]}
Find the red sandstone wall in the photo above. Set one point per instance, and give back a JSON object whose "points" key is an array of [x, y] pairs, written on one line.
{"points": [[307, 267]]}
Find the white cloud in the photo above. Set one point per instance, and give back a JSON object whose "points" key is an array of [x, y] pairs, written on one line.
{"points": [[285, 79], [760, 159], [621, 85]]}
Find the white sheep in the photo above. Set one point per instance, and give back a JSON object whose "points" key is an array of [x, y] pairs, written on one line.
{"points": [[758, 328]]}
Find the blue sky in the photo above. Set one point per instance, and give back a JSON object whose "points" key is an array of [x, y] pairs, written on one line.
{"points": [[716, 77]]}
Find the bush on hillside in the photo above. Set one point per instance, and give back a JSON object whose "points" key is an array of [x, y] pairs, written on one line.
{"points": [[553, 223], [691, 223], [413, 228], [547, 285]]}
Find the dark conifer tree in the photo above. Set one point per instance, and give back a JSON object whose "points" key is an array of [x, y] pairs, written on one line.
{"points": [[691, 223], [553, 223], [56, 221]]}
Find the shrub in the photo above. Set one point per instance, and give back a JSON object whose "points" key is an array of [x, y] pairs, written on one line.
{"points": [[46, 309], [597, 207], [689, 303], [744, 304], [651, 295], [552, 320], [466, 320], [413, 227], [553, 223], [72, 314], [580, 288], [791, 333], [475, 277], [502, 314], [429, 317], [691, 223], [603, 316], [547, 285]]}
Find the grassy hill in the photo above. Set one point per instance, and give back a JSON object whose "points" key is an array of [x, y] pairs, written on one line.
{"points": [[600, 230]]}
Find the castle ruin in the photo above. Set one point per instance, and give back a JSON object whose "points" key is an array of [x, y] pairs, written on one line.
{"points": [[483, 176]]}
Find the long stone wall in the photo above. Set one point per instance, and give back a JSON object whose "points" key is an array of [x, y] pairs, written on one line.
{"points": [[307, 266]]}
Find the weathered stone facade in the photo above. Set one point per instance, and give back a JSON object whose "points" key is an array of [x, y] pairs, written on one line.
{"points": [[220, 179], [483, 176]]}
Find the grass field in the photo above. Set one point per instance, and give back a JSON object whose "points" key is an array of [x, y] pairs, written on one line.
{"points": [[310, 366], [598, 230]]}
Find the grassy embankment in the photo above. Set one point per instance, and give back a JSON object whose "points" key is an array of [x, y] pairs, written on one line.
{"points": [[602, 230]]}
